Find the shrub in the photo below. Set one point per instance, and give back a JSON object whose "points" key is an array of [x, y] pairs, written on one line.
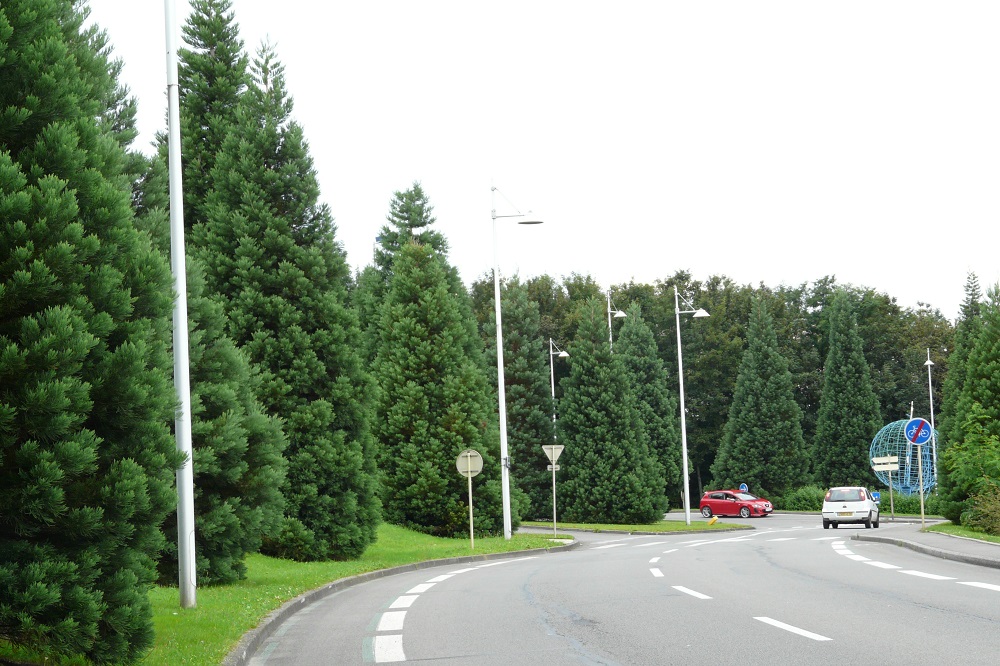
{"points": [[808, 498], [985, 512]]}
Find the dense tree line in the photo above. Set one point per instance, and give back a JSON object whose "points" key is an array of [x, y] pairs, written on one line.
{"points": [[324, 402]]}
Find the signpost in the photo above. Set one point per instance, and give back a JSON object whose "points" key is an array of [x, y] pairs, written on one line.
{"points": [[887, 464], [918, 431], [469, 464], [552, 451]]}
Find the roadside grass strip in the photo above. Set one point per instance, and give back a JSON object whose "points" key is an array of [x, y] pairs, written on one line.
{"points": [[794, 630]]}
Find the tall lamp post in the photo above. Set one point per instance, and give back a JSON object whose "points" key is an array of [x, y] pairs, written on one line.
{"points": [[524, 218], [553, 352], [930, 391], [618, 314], [680, 376]]}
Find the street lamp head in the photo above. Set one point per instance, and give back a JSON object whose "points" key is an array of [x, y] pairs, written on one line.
{"points": [[562, 354], [620, 314], [700, 312], [531, 218]]}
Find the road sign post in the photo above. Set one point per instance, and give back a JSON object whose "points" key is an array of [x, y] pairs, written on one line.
{"points": [[553, 451], [918, 431], [888, 464], [469, 464]]}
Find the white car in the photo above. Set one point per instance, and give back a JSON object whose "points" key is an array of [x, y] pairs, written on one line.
{"points": [[849, 504]]}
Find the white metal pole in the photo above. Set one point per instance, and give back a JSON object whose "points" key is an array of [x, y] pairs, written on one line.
{"points": [[182, 378], [553, 499], [552, 379], [468, 469], [680, 378], [930, 393], [610, 343], [504, 461]]}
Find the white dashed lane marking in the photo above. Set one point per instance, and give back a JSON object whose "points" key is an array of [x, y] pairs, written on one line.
{"points": [[685, 590], [921, 574], [985, 586], [404, 601], [656, 573], [794, 630], [388, 649], [391, 621]]}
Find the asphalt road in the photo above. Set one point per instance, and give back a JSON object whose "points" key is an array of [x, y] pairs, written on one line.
{"points": [[787, 592]]}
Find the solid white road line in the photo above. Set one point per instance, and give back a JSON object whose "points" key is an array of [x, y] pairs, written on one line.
{"points": [[826, 539], [391, 621], [794, 630], [911, 572], [857, 558], [656, 573], [985, 586], [783, 539], [388, 649], [405, 601], [697, 595]]}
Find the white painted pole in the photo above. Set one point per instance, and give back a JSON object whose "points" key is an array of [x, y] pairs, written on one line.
{"points": [[680, 378], [930, 393], [182, 379], [501, 392]]}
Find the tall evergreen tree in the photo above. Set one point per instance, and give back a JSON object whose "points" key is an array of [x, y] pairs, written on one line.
{"points": [[977, 413], [611, 476], [762, 444], [849, 414], [212, 77], [273, 262], [529, 402], [86, 396], [952, 421], [433, 403], [655, 401]]}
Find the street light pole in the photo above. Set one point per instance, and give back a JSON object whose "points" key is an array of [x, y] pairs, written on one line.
{"points": [[553, 352], [501, 392], [930, 391], [680, 376], [618, 315]]}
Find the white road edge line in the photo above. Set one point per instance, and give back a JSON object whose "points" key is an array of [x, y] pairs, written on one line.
{"points": [[388, 648], [794, 630], [881, 565], [391, 621], [685, 590]]}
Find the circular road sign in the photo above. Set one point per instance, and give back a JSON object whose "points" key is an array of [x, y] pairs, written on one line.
{"points": [[918, 431], [469, 463]]}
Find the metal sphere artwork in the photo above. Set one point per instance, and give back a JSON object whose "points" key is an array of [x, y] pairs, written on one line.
{"points": [[891, 441]]}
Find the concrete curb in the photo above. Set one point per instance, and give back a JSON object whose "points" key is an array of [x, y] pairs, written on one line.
{"points": [[967, 558], [253, 639]]}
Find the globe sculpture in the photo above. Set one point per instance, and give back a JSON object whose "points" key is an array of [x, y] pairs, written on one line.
{"points": [[891, 441]]}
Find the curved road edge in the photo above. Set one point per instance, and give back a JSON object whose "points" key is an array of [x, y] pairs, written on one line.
{"points": [[252, 640]]}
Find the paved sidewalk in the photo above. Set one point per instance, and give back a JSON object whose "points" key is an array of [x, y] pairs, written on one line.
{"points": [[946, 546]]}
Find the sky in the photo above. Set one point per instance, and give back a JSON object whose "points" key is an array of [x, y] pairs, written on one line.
{"points": [[771, 142]]}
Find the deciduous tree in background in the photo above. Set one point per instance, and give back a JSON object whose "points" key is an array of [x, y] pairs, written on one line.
{"points": [[762, 444], [849, 415]]}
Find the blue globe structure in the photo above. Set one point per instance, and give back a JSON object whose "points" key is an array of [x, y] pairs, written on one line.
{"points": [[891, 441]]}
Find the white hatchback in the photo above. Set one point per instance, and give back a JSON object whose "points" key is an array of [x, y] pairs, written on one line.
{"points": [[849, 504]]}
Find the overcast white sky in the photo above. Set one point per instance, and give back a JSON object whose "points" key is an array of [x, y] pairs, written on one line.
{"points": [[773, 142]]}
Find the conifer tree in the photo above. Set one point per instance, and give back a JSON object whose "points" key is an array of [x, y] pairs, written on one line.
{"points": [[212, 77], [611, 476], [433, 403], [762, 442], [272, 260], [529, 402], [975, 423], [951, 421], [654, 397], [849, 415], [86, 396]]}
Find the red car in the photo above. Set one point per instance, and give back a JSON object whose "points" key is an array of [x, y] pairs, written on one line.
{"points": [[734, 503]]}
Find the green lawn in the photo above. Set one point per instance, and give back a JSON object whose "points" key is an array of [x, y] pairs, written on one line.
{"points": [[958, 530]]}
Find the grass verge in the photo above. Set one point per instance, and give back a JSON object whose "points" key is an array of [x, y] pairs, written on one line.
{"points": [[958, 530]]}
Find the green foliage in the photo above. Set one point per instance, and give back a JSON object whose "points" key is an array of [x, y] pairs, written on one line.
{"points": [[273, 263], [611, 476], [762, 443], [529, 402], [85, 390], [984, 512], [806, 498], [655, 401], [972, 463], [849, 414], [433, 403]]}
